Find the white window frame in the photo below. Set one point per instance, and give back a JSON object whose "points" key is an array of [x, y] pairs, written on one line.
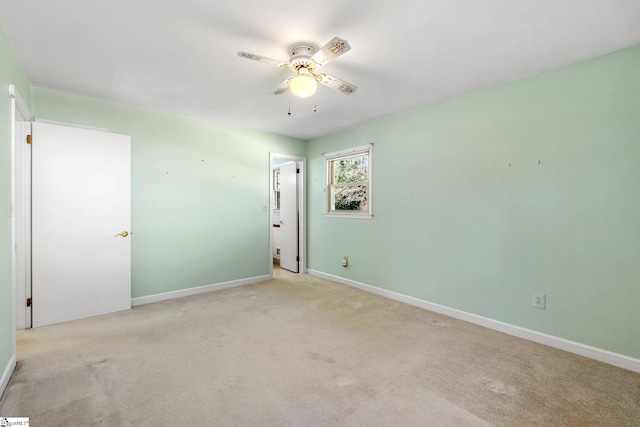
{"points": [[275, 191], [328, 157]]}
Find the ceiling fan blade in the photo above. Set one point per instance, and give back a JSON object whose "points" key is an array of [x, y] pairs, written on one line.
{"points": [[331, 50], [341, 85], [259, 58], [284, 86]]}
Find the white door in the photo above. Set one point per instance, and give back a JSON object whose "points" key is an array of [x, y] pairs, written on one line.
{"points": [[289, 216], [22, 182], [81, 202]]}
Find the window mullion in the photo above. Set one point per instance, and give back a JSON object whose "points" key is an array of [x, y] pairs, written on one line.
{"points": [[350, 184]]}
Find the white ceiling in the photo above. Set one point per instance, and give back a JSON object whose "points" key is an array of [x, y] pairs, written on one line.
{"points": [[180, 56]]}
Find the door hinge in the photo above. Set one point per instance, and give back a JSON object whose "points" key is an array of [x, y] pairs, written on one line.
{"points": [[29, 139], [297, 170], [29, 302], [297, 258]]}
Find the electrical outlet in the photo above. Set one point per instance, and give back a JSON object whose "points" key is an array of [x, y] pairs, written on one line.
{"points": [[345, 261], [540, 301]]}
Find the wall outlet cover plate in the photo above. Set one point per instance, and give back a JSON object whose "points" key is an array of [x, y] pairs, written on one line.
{"points": [[540, 301]]}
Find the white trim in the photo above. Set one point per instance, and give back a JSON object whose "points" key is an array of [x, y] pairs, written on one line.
{"points": [[21, 209], [348, 152], [197, 290], [21, 105], [73, 125], [22, 214], [6, 375], [14, 115], [302, 210], [19, 111], [595, 353], [346, 215]]}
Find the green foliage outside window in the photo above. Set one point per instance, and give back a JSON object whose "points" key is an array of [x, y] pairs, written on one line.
{"points": [[350, 183]]}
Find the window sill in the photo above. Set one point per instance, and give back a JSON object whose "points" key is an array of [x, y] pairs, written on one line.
{"points": [[351, 216]]}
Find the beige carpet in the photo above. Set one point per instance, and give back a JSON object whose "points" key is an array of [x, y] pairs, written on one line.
{"points": [[302, 351]]}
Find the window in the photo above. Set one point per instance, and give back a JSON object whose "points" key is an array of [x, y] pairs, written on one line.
{"points": [[276, 190], [348, 183]]}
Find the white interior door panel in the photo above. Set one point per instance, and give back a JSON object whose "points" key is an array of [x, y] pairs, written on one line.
{"points": [[289, 216], [81, 202]]}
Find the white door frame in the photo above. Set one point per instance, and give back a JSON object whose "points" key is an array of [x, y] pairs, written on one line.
{"points": [[20, 199], [302, 210]]}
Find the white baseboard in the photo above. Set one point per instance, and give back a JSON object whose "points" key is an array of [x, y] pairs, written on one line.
{"points": [[6, 375], [197, 290], [601, 355]]}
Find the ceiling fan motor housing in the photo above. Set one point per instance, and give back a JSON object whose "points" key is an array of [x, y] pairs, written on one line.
{"points": [[300, 55]]}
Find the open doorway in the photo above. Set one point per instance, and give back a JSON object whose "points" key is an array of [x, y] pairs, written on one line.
{"points": [[287, 214]]}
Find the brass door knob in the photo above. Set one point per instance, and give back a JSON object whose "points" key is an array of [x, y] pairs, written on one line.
{"points": [[123, 234]]}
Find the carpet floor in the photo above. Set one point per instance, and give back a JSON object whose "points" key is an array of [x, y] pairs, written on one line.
{"points": [[303, 351]]}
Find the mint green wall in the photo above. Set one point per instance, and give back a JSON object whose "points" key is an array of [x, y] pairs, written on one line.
{"points": [[10, 73], [198, 191], [455, 225]]}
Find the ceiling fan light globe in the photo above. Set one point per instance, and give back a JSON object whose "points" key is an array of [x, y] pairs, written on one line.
{"points": [[303, 86]]}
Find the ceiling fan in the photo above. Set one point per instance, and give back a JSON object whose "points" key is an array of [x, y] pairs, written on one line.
{"points": [[304, 61]]}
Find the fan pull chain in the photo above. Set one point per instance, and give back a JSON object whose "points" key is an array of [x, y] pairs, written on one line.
{"points": [[315, 102], [289, 113]]}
